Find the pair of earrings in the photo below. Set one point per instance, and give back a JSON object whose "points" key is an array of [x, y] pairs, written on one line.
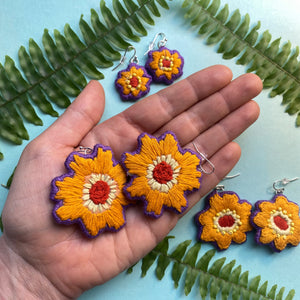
{"points": [[163, 66], [95, 192], [226, 218]]}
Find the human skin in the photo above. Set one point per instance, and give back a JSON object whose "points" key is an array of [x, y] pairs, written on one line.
{"points": [[40, 259]]}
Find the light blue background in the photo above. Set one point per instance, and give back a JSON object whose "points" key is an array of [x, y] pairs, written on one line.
{"points": [[270, 148]]}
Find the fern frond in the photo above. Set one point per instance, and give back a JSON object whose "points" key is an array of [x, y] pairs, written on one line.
{"points": [[58, 70], [277, 66], [211, 277]]}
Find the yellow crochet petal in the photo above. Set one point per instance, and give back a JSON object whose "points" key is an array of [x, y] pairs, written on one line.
{"points": [[70, 212], [267, 206], [122, 81], [261, 219], [175, 199], [224, 241], [207, 217], [155, 202], [208, 234], [102, 162], [93, 222], [139, 72], [135, 92], [138, 187], [150, 149], [267, 235], [239, 237], [280, 243]]}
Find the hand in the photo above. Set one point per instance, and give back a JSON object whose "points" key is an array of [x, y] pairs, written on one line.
{"points": [[207, 108]]}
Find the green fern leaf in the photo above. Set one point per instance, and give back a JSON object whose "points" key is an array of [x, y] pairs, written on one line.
{"points": [[203, 284], [212, 278], [290, 295], [190, 278], [224, 274], [279, 296], [272, 292], [58, 71], [177, 255], [277, 66], [263, 289], [147, 262]]}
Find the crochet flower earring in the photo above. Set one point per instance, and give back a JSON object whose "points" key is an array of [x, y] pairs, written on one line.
{"points": [[162, 174], [90, 193], [133, 82], [164, 65], [225, 219], [277, 221]]}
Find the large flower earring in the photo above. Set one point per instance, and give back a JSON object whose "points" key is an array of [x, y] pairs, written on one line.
{"points": [[162, 174], [225, 219], [90, 193], [164, 65], [277, 221], [133, 82]]}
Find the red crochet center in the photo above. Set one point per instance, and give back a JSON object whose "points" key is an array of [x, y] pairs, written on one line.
{"points": [[226, 221], [281, 223], [134, 82], [166, 63], [99, 192], [163, 172]]}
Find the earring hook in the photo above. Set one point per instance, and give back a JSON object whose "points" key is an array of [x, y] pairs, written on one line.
{"points": [[161, 43], [278, 184], [221, 187], [85, 150], [133, 59], [207, 160]]}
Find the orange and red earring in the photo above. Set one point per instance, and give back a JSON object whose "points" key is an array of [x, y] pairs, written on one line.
{"points": [[133, 82], [225, 218], [164, 65], [90, 192], [277, 220]]}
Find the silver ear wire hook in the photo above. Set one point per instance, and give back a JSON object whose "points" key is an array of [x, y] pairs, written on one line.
{"points": [[207, 160], [133, 59], [85, 150], [161, 43], [278, 184], [221, 187]]}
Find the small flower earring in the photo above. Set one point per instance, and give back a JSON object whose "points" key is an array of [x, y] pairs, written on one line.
{"points": [[90, 193], [133, 82], [225, 218], [163, 65], [277, 221]]}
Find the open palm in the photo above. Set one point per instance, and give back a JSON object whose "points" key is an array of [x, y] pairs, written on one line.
{"points": [[207, 108]]}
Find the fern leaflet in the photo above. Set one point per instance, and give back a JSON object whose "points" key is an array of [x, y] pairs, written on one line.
{"points": [[211, 277]]}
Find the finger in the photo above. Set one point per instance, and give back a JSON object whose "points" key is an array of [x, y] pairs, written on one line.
{"points": [[206, 113], [229, 128], [79, 118], [156, 110]]}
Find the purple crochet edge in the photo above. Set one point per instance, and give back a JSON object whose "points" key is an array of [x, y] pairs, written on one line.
{"points": [[163, 78], [120, 88], [71, 173], [206, 208], [259, 229], [132, 177]]}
